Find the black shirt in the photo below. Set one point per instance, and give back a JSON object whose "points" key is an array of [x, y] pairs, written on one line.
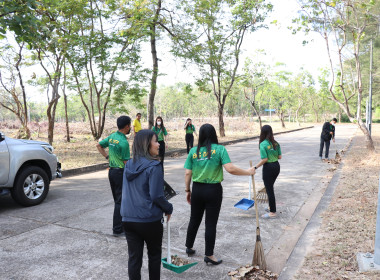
{"points": [[326, 129]]}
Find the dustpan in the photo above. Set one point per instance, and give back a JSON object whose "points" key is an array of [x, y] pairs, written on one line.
{"points": [[167, 262], [246, 203], [168, 191]]}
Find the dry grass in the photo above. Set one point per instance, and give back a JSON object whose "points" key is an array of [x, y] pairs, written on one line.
{"points": [[349, 224], [81, 150]]}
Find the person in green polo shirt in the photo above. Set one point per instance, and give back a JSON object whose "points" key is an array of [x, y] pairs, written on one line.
{"points": [[162, 134], [118, 155], [270, 153], [204, 165], [189, 138]]}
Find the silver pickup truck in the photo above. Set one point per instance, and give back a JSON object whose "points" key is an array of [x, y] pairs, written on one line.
{"points": [[26, 169]]}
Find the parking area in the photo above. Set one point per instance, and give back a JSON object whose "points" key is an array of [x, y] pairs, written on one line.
{"points": [[69, 235]]}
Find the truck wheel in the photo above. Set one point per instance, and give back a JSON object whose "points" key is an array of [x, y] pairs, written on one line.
{"points": [[31, 186]]}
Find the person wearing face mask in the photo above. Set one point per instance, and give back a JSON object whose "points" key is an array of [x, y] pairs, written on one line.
{"points": [[189, 138], [161, 132], [118, 155]]}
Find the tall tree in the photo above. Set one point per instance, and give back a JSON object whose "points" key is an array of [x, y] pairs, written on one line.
{"points": [[302, 87], [215, 32], [103, 43], [156, 18], [343, 23], [255, 76], [13, 97]]}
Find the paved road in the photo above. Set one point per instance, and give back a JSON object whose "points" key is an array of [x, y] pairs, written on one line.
{"points": [[69, 235]]}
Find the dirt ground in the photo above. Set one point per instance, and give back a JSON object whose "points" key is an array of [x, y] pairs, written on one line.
{"points": [[81, 150], [349, 224]]}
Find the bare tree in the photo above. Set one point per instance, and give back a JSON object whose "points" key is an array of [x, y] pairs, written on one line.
{"points": [[14, 95], [343, 23]]}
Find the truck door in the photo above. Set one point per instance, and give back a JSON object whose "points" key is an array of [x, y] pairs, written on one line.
{"points": [[4, 162]]}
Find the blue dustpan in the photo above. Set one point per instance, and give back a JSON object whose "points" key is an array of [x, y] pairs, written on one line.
{"points": [[246, 203]]}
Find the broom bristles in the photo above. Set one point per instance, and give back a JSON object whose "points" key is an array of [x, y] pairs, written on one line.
{"points": [[259, 256]]}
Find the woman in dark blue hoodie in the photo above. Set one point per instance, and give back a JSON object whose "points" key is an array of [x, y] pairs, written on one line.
{"points": [[143, 205]]}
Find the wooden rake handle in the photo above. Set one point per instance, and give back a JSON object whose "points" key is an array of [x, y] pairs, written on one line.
{"points": [[254, 197]]}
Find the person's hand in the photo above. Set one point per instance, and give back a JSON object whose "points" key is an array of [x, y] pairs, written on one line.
{"points": [[334, 140], [168, 216], [188, 197], [331, 133], [166, 145], [252, 170]]}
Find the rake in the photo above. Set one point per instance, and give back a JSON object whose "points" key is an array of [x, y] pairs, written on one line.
{"points": [[262, 196]]}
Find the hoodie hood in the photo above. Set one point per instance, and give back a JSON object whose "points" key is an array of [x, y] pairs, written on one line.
{"points": [[134, 168]]}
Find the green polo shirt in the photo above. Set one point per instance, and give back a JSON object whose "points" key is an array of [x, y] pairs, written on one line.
{"points": [[118, 147], [267, 151], [190, 129], [160, 132], [206, 170]]}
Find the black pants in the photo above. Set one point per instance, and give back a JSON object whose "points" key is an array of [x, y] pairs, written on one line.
{"points": [[189, 141], [204, 197], [137, 234], [270, 174], [115, 176], [324, 143], [161, 153]]}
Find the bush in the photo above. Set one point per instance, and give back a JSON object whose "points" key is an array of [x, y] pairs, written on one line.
{"points": [[344, 119]]}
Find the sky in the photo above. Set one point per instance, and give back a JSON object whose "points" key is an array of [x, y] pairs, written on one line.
{"points": [[278, 42]]}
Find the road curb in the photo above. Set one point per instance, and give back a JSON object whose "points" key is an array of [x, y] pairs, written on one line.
{"points": [[102, 166]]}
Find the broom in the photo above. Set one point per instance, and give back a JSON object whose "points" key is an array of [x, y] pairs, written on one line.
{"points": [[258, 254], [337, 155]]}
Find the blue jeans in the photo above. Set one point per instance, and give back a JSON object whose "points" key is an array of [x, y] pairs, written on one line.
{"points": [[115, 176]]}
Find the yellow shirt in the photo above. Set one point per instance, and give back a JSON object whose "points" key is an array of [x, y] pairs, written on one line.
{"points": [[137, 125]]}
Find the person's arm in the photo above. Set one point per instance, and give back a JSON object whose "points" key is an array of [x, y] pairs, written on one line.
{"points": [[195, 131], [333, 136], [166, 137], [234, 170], [156, 190], [102, 150], [188, 174], [262, 162]]}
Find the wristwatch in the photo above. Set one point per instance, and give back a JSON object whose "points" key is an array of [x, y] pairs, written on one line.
{"points": [[107, 157], [255, 167]]}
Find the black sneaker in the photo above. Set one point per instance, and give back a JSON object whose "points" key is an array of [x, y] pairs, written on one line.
{"points": [[120, 234]]}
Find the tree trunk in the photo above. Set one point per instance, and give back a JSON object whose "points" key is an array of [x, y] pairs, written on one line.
{"points": [[297, 116], [221, 121], [368, 138], [153, 84], [65, 99], [257, 114], [281, 116], [51, 119]]}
